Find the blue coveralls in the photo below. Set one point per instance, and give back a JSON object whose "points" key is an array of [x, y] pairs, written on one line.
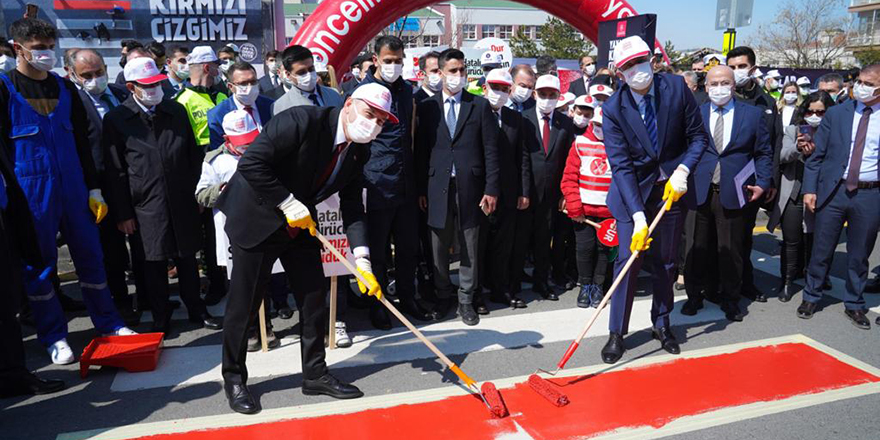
{"points": [[47, 166]]}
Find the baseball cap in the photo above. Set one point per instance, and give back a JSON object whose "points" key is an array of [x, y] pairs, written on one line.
{"points": [[630, 48], [142, 70], [239, 128], [547, 82], [597, 116], [232, 46], [564, 99], [774, 74], [202, 54], [600, 89], [490, 58], [499, 76], [803, 81], [585, 101], [377, 97]]}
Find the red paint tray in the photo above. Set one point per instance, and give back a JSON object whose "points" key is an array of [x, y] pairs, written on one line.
{"points": [[134, 353]]}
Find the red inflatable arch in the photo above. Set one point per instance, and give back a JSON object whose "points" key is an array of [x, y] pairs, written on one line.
{"points": [[338, 29]]}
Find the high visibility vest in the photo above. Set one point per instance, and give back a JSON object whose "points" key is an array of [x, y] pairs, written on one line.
{"points": [[197, 106], [595, 173], [474, 88]]}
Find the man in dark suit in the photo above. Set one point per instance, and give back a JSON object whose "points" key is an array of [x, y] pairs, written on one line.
{"points": [[364, 62], [549, 135], [841, 185], [515, 181], [581, 86], [431, 80], [271, 80], [303, 156], [458, 178], [98, 97], [654, 136], [739, 137], [245, 93]]}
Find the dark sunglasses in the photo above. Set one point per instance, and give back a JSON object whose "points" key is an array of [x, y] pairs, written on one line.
{"points": [[815, 112]]}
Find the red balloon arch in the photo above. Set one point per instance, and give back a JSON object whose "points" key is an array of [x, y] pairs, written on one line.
{"points": [[338, 29]]}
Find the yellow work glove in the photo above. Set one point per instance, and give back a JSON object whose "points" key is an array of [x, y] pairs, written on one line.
{"points": [[640, 240], [676, 186], [97, 205], [298, 215], [366, 270]]}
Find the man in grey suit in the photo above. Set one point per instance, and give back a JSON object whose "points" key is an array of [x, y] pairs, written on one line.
{"points": [[299, 67]]}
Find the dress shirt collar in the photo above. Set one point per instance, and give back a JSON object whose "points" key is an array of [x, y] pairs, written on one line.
{"points": [[860, 107], [428, 91], [724, 108], [340, 132], [456, 97], [146, 110], [639, 97]]}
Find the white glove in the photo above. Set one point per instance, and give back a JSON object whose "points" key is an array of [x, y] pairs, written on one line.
{"points": [[363, 263], [297, 214], [366, 270], [640, 240], [639, 221], [679, 179]]}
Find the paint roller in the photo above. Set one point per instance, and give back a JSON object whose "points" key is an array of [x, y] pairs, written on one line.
{"points": [[543, 386], [487, 393]]}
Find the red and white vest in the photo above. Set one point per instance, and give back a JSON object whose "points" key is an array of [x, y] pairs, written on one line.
{"points": [[595, 173]]}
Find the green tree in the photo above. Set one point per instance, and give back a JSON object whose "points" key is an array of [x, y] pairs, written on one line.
{"points": [[867, 57], [675, 57], [522, 46], [562, 41]]}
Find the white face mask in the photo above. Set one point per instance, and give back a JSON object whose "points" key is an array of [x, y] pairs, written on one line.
{"points": [[41, 59], [435, 82], [454, 83], [150, 96], [6, 63], [362, 130], [356, 72], [182, 71], [640, 76], [272, 66], [597, 131], [307, 81], [813, 120], [95, 86], [863, 93], [247, 95], [225, 66], [496, 99], [390, 72], [772, 85], [590, 70], [741, 76], [790, 98], [546, 106], [521, 94], [720, 95], [580, 121]]}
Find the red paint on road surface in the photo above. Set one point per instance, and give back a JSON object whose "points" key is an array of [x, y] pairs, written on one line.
{"points": [[652, 395]]}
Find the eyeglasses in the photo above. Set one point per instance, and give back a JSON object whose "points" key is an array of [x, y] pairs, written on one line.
{"points": [[814, 112], [245, 84]]}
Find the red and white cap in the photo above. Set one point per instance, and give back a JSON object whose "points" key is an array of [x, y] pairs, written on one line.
{"points": [[490, 58], [499, 76], [564, 99], [547, 82], [597, 116], [376, 96], [143, 71], [239, 128], [585, 101], [202, 55], [600, 89], [630, 48]]}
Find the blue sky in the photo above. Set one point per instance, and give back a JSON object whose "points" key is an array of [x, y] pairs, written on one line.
{"points": [[691, 23]]}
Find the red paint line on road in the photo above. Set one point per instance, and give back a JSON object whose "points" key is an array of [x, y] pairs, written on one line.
{"points": [[652, 395]]}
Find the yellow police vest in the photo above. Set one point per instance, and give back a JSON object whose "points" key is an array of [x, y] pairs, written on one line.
{"points": [[197, 106], [474, 88]]}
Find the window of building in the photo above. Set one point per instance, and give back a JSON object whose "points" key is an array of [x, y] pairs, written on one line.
{"points": [[536, 32], [489, 30], [430, 40], [505, 32], [469, 31]]}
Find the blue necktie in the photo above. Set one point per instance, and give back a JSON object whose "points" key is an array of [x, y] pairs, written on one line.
{"points": [[4, 198], [450, 117], [651, 122]]}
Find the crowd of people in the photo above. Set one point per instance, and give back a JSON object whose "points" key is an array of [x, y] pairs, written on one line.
{"points": [[191, 161]]}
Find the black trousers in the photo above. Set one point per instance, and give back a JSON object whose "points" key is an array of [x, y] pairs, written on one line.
{"points": [[11, 346], [156, 283], [748, 276], [117, 261], [251, 270], [563, 248], [399, 223], [498, 252], [793, 247], [536, 227], [719, 236], [216, 274], [592, 256]]}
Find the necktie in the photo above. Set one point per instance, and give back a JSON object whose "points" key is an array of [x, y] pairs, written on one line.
{"points": [[855, 160], [314, 98], [498, 116], [250, 111], [545, 134], [450, 117], [330, 167], [651, 122], [718, 138]]}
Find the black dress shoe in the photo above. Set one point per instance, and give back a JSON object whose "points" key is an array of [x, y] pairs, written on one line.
{"points": [[479, 305], [207, 321], [679, 286], [787, 293], [240, 399], [330, 386], [285, 313], [877, 321], [806, 310], [545, 291], [732, 312], [753, 294], [858, 318], [613, 349], [379, 317], [517, 302], [691, 306], [411, 307], [27, 384], [667, 339], [468, 315]]}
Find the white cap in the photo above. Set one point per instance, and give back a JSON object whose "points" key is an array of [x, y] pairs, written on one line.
{"points": [[142, 70], [239, 128], [600, 89], [630, 48], [774, 74], [490, 58], [201, 55], [597, 116], [547, 82], [232, 46], [499, 76], [564, 99], [376, 96], [804, 81], [722, 59], [585, 101]]}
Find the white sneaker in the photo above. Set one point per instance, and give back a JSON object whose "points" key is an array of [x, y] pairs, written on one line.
{"points": [[342, 339], [61, 353], [123, 331]]}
